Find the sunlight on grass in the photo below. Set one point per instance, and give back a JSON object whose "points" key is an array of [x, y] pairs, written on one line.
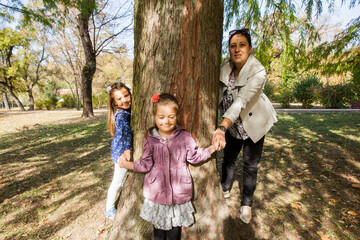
{"points": [[54, 177]]}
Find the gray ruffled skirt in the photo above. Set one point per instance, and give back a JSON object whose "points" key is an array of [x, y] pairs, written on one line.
{"points": [[166, 217]]}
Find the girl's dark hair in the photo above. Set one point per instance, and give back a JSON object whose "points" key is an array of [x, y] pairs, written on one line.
{"points": [[111, 105], [244, 31], [164, 99]]}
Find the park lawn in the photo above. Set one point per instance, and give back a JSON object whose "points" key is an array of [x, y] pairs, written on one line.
{"points": [[54, 176]]}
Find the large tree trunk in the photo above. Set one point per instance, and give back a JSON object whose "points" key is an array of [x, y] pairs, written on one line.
{"points": [[6, 101], [177, 50], [89, 68]]}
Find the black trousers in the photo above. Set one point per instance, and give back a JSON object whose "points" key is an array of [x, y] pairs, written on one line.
{"points": [[251, 157], [172, 234]]}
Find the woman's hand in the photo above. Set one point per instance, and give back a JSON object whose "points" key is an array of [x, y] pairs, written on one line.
{"points": [[219, 139]]}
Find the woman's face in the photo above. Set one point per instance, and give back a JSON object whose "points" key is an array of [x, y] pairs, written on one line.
{"points": [[239, 50]]}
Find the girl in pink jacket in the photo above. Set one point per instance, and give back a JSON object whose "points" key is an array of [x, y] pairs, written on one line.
{"points": [[167, 189]]}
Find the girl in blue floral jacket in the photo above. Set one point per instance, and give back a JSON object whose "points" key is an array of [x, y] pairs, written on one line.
{"points": [[119, 104]]}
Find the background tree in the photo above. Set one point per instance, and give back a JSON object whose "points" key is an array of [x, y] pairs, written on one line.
{"points": [[10, 66], [33, 61], [183, 59], [68, 54], [106, 26]]}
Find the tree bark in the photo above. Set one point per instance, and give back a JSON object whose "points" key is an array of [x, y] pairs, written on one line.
{"points": [[6, 101], [14, 97], [31, 99], [89, 68], [177, 50]]}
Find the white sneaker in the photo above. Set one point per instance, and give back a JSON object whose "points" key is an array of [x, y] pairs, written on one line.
{"points": [[226, 194], [245, 214]]}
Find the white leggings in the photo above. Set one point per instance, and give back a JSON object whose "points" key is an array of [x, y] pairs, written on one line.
{"points": [[117, 182]]}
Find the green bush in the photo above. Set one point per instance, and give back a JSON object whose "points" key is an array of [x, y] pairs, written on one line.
{"points": [[38, 105], [305, 91], [66, 101], [100, 99], [336, 96], [286, 95], [269, 90], [49, 102]]}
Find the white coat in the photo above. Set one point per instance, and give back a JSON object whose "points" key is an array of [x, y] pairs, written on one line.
{"points": [[250, 103]]}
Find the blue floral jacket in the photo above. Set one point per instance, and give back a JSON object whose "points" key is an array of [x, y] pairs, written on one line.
{"points": [[123, 136]]}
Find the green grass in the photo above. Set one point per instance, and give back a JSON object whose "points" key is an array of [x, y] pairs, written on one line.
{"points": [[50, 175], [53, 173], [316, 158]]}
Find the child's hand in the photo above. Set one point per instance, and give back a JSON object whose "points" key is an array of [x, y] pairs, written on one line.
{"points": [[212, 148], [127, 154], [121, 161]]}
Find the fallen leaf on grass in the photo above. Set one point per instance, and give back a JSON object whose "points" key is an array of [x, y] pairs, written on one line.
{"points": [[356, 185], [352, 213], [323, 236], [100, 231], [296, 206], [43, 221]]}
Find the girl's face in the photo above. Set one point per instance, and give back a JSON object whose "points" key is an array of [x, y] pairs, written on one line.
{"points": [[165, 119], [122, 98], [239, 49]]}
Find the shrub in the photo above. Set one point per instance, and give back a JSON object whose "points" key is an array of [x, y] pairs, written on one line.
{"points": [[66, 101], [100, 99], [38, 105], [305, 91], [285, 96], [49, 102], [336, 96], [269, 90]]}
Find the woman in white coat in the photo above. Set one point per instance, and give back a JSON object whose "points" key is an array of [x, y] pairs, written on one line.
{"points": [[247, 115]]}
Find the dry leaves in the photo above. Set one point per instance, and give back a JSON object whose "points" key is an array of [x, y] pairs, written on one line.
{"points": [[42, 221], [352, 213], [296, 205], [357, 185], [323, 236]]}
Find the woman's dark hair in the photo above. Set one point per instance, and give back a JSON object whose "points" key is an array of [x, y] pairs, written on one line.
{"points": [[244, 31]]}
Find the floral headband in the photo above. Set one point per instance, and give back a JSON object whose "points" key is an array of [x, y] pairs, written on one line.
{"points": [[156, 98], [109, 88]]}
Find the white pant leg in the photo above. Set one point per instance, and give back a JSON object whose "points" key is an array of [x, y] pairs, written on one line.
{"points": [[117, 182]]}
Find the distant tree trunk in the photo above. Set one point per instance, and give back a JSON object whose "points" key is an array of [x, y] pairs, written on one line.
{"points": [[177, 50], [14, 97], [6, 101], [78, 102], [31, 99], [89, 68]]}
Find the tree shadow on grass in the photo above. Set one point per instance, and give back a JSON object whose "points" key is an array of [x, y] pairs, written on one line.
{"points": [[310, 170], [304, 190], [56, 165]]}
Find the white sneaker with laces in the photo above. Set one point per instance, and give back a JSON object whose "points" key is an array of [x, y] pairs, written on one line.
{"points": [[245, 214], [226, 194]]}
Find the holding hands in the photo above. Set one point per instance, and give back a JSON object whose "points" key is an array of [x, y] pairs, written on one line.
{"points": [[218, 140], [124, 160], [219, 134], [125, 157]]}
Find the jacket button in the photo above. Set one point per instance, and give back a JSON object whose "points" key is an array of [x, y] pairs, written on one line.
{"points": [[250, 113]]}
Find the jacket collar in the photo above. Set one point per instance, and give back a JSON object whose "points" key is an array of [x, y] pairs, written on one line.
{"points": [[155, 134], [244, 74]]}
